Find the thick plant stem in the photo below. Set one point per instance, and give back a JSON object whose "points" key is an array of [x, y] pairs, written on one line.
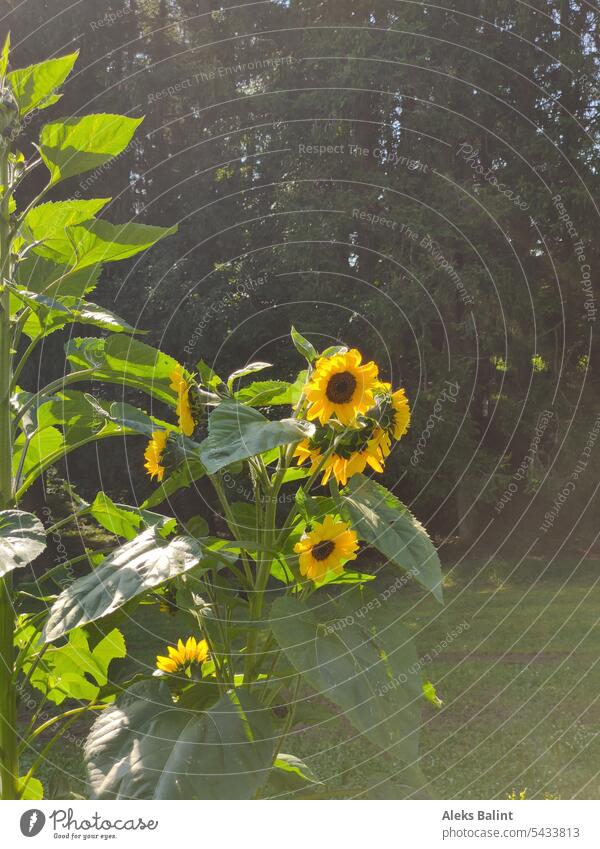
{"points": [[9, 766]]}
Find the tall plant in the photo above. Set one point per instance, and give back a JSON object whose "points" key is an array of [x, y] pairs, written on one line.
{"points": [[51, 257], [270, 607], [271, 610]]}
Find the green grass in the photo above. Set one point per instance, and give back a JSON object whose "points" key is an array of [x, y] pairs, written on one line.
{"points": [[520, 686], [521, 693]]}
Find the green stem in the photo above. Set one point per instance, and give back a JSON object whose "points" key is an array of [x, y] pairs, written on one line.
{"points": [[50, 722], [9, 762], [56, 385]]}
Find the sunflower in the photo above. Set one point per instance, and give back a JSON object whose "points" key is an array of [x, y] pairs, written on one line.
{"points": [[326, 548], [153, 454], [342, 386], [344, 463], [401, 415], [181, 658], [181, 385]]}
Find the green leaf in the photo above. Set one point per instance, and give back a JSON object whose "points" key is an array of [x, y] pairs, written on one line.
{"points": [[431, 695], [355, 653], [125, 361], [236, 432], [32, 791], [44, 443], [79, 144], [265, 393], [251, 368], [142, 564], [75, 671], [50, 316], [33, 86], [4, 56], [47, 224], [45, 277], [303, 346], [288, 774], [146, 747], [22, 539], [385, 523], [125, 521], [98, 241]]}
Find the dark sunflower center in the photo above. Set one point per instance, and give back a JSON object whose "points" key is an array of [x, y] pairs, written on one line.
{"points": [[323, 549], [340, 387]]}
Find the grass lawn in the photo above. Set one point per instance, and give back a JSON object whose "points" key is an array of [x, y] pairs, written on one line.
{"points": [[520, 686]]}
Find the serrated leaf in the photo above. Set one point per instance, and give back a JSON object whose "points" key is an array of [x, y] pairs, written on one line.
{"points": [[76, 671], [47, 223], [47, 278], [142, 564], [22, 539], [99, 241], [126, 521], [381, 520], [33, 86], [75, 145]]}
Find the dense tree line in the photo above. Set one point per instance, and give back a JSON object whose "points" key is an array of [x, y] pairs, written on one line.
{"points": [[417, 181]]}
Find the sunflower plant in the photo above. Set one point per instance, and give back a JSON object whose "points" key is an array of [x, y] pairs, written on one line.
{"points": [[52, 252], [275, 608]]}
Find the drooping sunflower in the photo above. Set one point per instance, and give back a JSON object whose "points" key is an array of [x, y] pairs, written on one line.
{"points": [[181, 385], [371, 450], [401, 416], [154, 453], [394, 412], [341, 386], [326, 548], [181, 658]]}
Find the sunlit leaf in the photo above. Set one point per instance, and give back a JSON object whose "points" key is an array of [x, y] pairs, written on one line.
{"points": [[22, 539], [139, 565], [33, 86], [75, 145], [384, 522]]}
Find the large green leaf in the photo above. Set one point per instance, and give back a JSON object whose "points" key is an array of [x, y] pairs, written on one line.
{"points": [[46, 223], [97, 241], [236, 432], [33, 86], [22, 539], [146, 747], [48, 318], [125, 361], [355, 652], [384, 522], [45, 277], [75, 145], [76, 671], [145, 562]]}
